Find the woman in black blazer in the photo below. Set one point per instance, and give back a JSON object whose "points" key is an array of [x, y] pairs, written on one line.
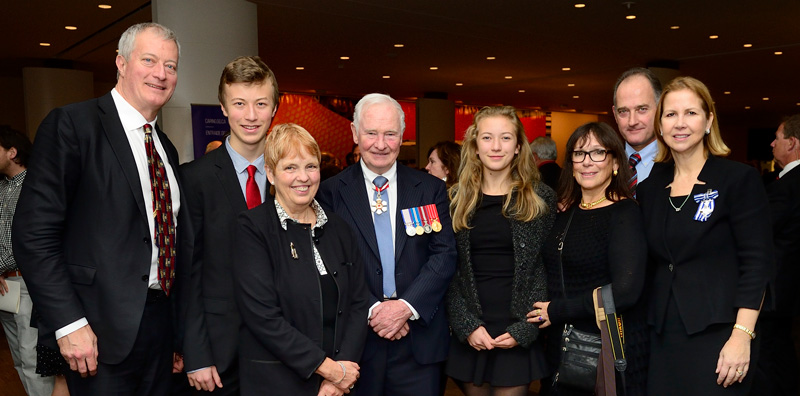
{"points": [[301, 290], [710, 247]]}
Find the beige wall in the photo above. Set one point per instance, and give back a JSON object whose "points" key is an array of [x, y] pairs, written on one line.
{"points": [[46, 88], [561, 127]]}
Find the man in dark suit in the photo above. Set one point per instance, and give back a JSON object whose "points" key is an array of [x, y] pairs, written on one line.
{"points": [[408, 269], [97, 224], [776, 370], [545, 154], [218, 186]]}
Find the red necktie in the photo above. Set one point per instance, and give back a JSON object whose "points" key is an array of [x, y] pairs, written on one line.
{"points": [[634, 160], [253, 194], [162, 213]]}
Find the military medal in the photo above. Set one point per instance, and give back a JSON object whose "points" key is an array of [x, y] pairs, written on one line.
{"points": [[706, 204], [433, 215], [378, 206], [417, 222], [410, 231], [426, 224]]}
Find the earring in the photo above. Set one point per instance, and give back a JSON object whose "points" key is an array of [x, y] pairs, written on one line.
{"points": [[615, 172], [662, 133], [708, 131]]}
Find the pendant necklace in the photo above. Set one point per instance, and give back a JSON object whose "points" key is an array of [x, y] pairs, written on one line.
{"points": [[678, 208]]}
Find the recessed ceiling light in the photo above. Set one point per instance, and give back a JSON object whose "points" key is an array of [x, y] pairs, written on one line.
{"points": [[399, 45], [747, 107], [575, 97], [565, 69], [459, 84], [778, 53], [104, 6], [630, 17], [70, 28], [727, 92], [747, 45], [764, 98], [44, 44], [509, 77], [434, 68], [674, 27], [490, 58], [387, 76], [580, 5], [798, 103], [299, 68], [713, 37], [344, 57], [521, 91], [570, 85]]}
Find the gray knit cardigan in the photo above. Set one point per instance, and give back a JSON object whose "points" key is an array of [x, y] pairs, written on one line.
{"points": [[529, 283]]}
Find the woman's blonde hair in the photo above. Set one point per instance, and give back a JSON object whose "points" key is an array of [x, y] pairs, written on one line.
{"points": [[712, 142], [466, 195]]}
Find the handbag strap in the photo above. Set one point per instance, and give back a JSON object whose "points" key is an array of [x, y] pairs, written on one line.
{"points": [[612, 352], [562, 238]]}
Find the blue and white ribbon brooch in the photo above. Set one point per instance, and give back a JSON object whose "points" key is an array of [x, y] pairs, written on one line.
{"points": [[706, 205]]}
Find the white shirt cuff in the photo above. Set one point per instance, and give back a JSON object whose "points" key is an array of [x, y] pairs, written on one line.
{"points": [[70, 328], [414, 313], [194, 371]]}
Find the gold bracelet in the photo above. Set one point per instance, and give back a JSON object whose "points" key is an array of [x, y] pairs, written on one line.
{"points": [[749, 332]]}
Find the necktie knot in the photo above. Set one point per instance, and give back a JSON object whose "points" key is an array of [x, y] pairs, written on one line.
{"points": [[251, 170], [147, 129], [380, 181], [634, 159]]}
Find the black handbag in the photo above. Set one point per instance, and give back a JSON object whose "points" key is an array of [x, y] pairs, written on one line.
{"points": [[580, 350]]}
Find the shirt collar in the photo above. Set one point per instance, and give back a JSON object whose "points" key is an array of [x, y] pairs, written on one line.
{"points": [[648, 153], [283, 217], [789, 167], [370, 175], [130, 118], [240, 163], [18, 178]]}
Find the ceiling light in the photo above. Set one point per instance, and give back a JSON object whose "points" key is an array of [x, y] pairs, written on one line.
{"points": [[565, 69], [727, 92], [674, 27], [387, 76], [104, 6], [521, 91], [299, 68], [459, 84], [764, 98], [630, 17], [575, 97], [580, 5], [399, 45], [747, 45], [70, 28], [798, 103], [490, 58], [570, 85], [509, 77], [344, 57], [747, 107], [778, 53], [434, 68], [44, 44], [713, 37]]}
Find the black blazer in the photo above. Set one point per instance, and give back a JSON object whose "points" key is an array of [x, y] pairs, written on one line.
{"points": [[528, 286], [80, 232], [424, 264], [784, 204], [719, 265], [214, 199], [279, 300]]}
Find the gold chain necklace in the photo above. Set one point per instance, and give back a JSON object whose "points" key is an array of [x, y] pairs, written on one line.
{"points": [[589, 205]]}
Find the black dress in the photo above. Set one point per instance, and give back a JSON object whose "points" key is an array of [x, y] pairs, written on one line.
{"points": [[603, 245], [493, 264]]}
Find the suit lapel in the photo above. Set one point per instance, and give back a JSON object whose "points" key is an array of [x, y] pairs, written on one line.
{"points": [[226, 174], [408, 195], [115, 134], [355, 199]]}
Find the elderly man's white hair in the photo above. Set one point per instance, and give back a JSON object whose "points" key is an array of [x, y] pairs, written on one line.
{"points": [[376, 98]]}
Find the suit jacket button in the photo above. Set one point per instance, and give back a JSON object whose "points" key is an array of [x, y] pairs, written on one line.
{"points": [[671, 267], [146, 240], [335, 273], [378, 271], [336, 352], [340, 312], [145, 277], [522, 244]]}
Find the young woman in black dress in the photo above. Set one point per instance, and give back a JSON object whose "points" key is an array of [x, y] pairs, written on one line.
{"points": [[501, 214]]}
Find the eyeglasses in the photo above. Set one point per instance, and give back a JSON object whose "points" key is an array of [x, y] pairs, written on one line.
{"points": [[595, 155]]}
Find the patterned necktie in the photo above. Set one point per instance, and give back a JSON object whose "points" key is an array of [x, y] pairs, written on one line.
{"points": [[634, 160], [162, 213], [253, 194], [383, 231]]}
